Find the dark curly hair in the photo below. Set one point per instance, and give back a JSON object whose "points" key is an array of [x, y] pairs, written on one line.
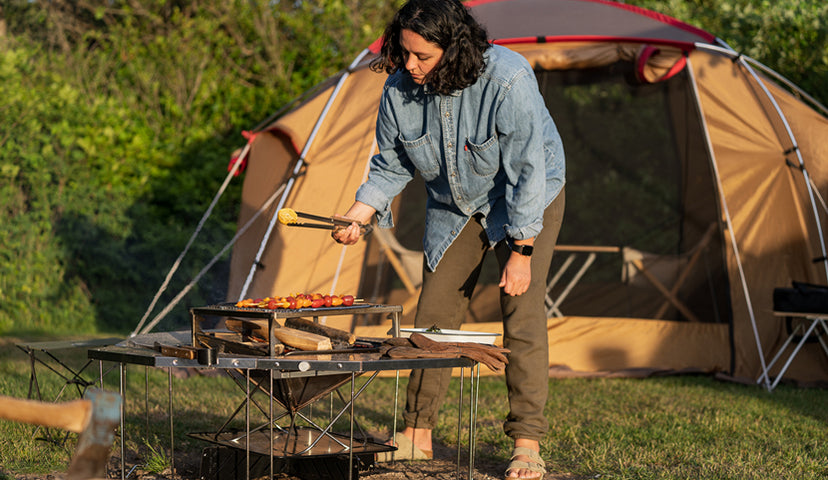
{"points": [[446, 23]]}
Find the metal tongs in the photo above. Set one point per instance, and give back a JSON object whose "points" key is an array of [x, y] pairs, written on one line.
{"points": [[290, 217]]}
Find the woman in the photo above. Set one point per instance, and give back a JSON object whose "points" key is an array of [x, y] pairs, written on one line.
{"points": [[469, 118]]}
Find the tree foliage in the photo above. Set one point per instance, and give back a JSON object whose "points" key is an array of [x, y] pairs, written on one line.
{"points": [[119, 120], [789, 36], [119, 116]]}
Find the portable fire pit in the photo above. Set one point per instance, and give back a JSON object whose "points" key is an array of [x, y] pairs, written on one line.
{"points": [[309, 449], [288, 381]]}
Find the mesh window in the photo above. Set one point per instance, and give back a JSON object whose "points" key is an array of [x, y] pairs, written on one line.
{"points": [[638, 175]]}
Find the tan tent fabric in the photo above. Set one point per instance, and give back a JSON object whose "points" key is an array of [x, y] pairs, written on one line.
{"points": [[621, 344], [303, 260], [766, 212], [260, 182]]}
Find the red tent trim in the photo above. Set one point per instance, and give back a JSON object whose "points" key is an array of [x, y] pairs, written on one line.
{"points": [[684, 46], [648, 52], [376, 46]]}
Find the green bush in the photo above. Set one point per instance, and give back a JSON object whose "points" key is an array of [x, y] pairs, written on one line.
{"points": [[789, 36], [120, 120]]}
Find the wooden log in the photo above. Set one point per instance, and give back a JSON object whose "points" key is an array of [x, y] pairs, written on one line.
{"points": [[289, 336], [301, 339], [319, 329], [228, 343], [255, 328]]}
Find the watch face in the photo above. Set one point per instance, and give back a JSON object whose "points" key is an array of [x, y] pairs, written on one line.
{"points": [[525, 250]]}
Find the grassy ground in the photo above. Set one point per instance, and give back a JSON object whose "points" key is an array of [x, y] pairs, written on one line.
{"points": [[659, 428]]}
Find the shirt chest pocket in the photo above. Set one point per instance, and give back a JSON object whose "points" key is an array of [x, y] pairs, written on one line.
{"points": [[483, 159], [422, 154]]}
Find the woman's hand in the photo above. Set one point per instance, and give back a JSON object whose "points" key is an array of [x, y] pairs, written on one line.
{"points": [[360, 213], [346, 235], [517, 274]]}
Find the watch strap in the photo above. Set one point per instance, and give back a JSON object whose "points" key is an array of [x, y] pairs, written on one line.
{"points": [[525, 250]]}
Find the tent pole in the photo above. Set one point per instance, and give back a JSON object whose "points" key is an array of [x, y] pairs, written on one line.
{"points": [[796, 150], [212, 262], [729, 223], [204, 218], [768, 71], [746, 63], [819, 197], [299, 164]]}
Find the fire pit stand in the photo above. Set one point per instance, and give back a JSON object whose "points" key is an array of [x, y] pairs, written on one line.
{"points": [[201, 315], [293, 382]]}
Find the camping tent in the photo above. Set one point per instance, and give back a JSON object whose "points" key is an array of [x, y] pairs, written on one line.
{"points": [[694, 185]]}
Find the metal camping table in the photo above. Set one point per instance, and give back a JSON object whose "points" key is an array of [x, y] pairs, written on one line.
{"points": [[48, 355], [265, 372]]}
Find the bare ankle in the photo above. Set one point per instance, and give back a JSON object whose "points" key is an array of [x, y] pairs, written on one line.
{"points": [[527, 443], [421, 437]]}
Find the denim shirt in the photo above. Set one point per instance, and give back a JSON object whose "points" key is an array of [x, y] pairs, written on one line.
{"points": [[491, 148]]}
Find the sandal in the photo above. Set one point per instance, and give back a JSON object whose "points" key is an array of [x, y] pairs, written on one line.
{"points": [[534, 465], [406, 450]]}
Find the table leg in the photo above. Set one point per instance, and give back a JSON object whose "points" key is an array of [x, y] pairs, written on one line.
{"points": [[795, 352], [270, 423], [247, 425], [146, 404], [471, 422], [460, 416], [396, 400], [122, 389], [172, 428], [351, 436]]}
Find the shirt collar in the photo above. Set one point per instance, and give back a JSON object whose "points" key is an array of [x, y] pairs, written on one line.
{"points": [[427, 90]]}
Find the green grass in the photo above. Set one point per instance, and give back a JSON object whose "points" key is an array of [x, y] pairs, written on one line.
{"points": [[678, 427], [157, 461]]}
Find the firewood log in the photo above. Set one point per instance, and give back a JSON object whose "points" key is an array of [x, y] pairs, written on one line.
{"points": [[319, 329]]}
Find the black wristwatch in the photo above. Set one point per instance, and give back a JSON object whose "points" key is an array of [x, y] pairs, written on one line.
{"points": [[525, 250]]}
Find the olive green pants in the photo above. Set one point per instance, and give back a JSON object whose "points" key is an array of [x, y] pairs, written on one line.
{"points": [[444, 302]]}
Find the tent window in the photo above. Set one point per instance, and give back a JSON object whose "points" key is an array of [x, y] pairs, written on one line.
{"points": [[637, 176]]}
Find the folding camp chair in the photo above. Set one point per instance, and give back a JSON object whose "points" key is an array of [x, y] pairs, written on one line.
{"points": [[813, 322], [591, 252], [657, 270]]}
